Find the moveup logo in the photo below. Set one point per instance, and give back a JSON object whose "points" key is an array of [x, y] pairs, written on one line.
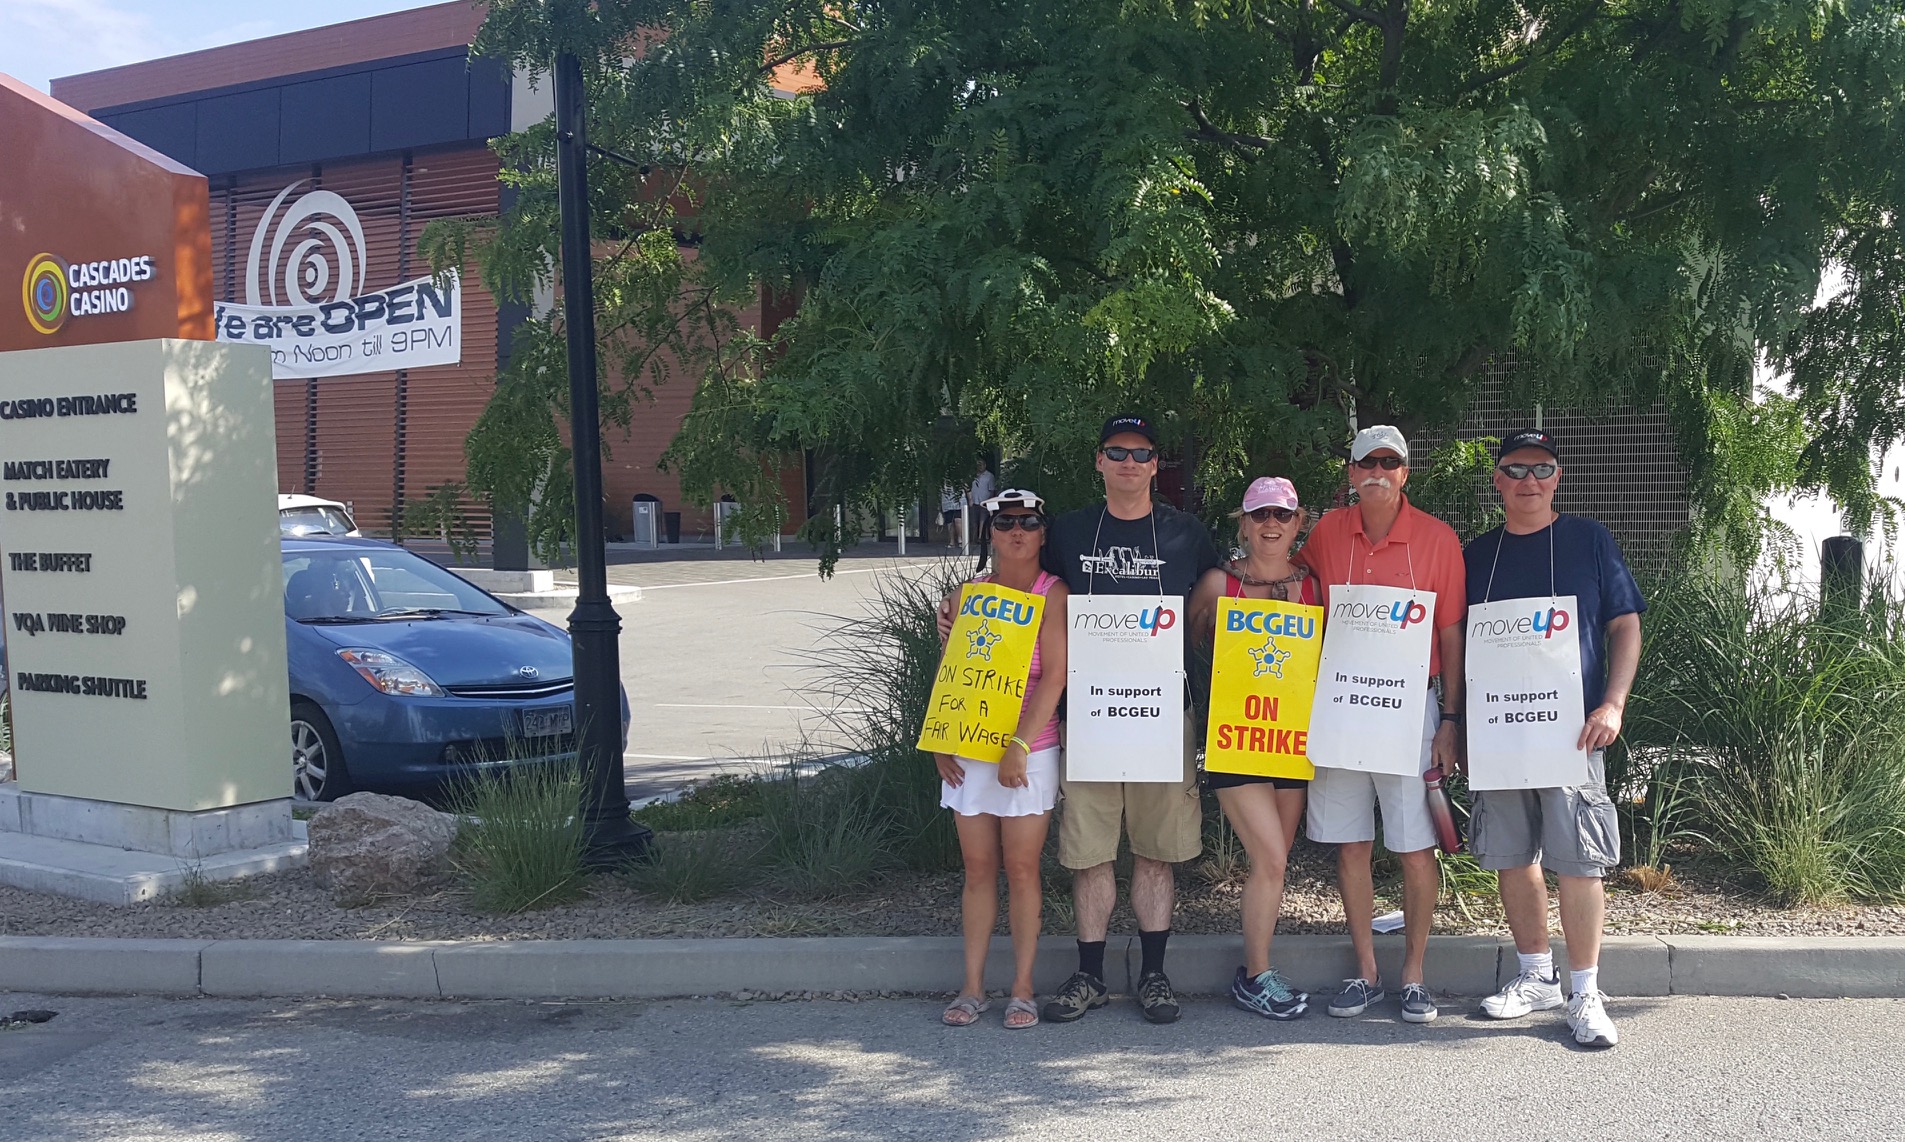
{"points": [[1403, 614], [54, 290], [1154, 619], [1546, 623], [326, 251]]}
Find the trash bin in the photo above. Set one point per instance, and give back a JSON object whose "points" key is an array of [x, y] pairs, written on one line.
{"points": [[645, 521], [672, 523]]}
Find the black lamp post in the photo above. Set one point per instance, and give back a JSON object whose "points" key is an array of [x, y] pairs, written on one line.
{"points": [[593, 626]]}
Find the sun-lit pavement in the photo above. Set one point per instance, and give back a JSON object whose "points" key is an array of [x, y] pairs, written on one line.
{"points": [[712, 1069], [712, 656]]}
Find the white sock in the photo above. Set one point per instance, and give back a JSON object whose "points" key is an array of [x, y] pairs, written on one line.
{"points": [[1585, 980], [1537, 964]]}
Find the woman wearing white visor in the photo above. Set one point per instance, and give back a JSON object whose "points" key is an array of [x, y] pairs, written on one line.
{"points": [[1004, 810]]}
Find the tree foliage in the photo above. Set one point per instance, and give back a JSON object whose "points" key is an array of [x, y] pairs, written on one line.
{"points": [[1005, 220]]}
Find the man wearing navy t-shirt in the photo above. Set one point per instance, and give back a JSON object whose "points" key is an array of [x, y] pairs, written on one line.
{"points": [[1572, 832]]}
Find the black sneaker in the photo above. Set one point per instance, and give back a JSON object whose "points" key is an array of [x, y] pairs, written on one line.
{"points": [[1076, 996], [1156, 998]]}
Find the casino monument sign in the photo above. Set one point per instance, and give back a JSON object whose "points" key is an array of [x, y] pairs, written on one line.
{"points": [[139, 568]]}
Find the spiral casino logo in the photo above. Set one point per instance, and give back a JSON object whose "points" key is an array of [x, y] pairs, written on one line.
{"points": [[45, 293], [316, 247]]}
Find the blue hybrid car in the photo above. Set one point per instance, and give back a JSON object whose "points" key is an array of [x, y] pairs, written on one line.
{"points": [[405, 677]]}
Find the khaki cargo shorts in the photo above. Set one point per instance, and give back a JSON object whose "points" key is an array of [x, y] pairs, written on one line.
{"points": [[1164, 819]]}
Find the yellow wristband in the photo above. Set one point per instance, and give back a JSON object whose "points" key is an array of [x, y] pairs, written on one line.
{"points": [[1020, 742]]}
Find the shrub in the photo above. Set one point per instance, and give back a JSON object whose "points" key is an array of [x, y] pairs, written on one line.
{"points": [[722, 801], [1784, 731], [522, 841], [824, 835], [684, 867]]}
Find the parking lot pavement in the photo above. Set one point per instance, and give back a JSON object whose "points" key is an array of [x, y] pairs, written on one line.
{"points": [[711, 658], [708, 1069]]}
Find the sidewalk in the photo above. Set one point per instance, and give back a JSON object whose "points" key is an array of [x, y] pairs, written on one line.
{"points": [[1819, 967]]}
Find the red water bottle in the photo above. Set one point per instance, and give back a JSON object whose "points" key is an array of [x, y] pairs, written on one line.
{"points": [[1448, 834]]}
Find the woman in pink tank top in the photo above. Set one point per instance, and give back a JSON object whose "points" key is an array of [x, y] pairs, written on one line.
{"points": [[1262, 811], [1003, 810]]}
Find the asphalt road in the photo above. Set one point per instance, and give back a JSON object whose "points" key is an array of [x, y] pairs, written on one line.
{"points": [[706, 1069], [712, 658]]}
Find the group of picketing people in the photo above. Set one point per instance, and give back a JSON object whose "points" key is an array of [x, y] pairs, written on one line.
{"points": [[1131, 544]]}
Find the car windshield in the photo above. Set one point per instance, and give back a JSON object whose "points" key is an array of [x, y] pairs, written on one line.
{"points": [[355, 585], [314, 519]]}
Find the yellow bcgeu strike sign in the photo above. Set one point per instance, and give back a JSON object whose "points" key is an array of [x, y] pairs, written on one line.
{"points": [[1263, 681], [981, 682]]}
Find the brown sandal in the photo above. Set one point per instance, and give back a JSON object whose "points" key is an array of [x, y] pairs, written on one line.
{"points": [[964, 1011]]}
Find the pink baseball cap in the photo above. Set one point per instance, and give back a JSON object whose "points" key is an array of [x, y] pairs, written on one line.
{"points": [[1270, 492]]}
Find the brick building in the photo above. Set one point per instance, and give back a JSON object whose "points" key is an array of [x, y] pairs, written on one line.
{"points": [[393, 115]]}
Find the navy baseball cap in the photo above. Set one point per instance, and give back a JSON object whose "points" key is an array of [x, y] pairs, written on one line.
{"points": [[1136, 424], [1528, 438]]}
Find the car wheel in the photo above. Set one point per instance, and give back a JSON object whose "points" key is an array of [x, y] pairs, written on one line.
{"points": [[317, 761]]}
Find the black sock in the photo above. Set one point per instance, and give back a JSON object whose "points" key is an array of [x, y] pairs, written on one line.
{"points": [[1153, 944], [1091, 958]]}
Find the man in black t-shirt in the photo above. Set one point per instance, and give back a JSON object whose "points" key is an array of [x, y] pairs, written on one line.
{"points": [[1128, 545]]}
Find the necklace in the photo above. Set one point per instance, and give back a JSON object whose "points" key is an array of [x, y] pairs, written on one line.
{"points": [[1296, 572]]}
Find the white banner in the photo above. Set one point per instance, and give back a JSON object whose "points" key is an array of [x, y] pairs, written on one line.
{"points": [[1524, 695], [1374, 680], [1124, 702], [408, 326]]}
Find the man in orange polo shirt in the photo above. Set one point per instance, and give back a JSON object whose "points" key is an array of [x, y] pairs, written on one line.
{"points": [[1383, 540]]}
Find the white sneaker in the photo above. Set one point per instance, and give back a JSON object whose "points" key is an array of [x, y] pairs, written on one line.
{"points": [[1587, 1018], [1526, 992]]}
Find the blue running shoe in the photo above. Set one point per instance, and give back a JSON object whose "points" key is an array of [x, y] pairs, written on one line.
{"points": [[1268, 995]]}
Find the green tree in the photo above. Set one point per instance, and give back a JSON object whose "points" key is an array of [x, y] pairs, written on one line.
{"points": [[1248, 217]]}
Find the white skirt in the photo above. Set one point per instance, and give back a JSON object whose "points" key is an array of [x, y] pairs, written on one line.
{"points": [[981, 793]]}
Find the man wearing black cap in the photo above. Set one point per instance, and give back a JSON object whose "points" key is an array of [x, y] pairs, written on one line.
{"points": [[1572, 832], [1129, 545]]}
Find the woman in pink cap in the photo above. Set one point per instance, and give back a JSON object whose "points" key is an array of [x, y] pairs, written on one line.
{"points": [[1262, 811]]}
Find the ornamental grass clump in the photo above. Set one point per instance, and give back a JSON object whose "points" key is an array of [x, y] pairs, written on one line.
{"points": [[685, 867], [1784, 729], [522, 840], [872, 677]]}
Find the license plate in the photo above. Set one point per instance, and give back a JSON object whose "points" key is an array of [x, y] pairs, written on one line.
{"points": [[548, 723]]}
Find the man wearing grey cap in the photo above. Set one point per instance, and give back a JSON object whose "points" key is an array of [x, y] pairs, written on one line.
{"points": [[1383, 540], [1539, 553]]}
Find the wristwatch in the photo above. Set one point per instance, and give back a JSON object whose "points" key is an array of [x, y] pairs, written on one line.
{"points": [[1452, 716]]}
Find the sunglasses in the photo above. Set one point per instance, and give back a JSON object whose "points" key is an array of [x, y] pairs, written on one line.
{"points": [[1281, 515], [1386, 463], [1119, 454], [1522, 471], [1023, 522]]}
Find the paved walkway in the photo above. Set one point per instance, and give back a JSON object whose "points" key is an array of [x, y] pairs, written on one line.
{"points": [[238, 1071], [711, 656]]}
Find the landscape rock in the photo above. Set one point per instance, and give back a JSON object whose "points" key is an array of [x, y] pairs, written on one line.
{"points": [[367, 845]]}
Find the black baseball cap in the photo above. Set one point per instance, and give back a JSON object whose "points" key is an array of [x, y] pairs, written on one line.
{"points": [[1136, 424], [1528, 438]]}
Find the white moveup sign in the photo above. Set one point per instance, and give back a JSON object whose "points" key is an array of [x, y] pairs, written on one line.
{"points": [[318, 243]]}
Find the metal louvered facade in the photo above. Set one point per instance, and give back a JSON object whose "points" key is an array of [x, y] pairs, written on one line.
{"points": [[380, 439]]}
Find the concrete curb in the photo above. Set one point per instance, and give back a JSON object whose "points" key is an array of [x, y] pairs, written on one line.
{"points": [[1827, 967]]}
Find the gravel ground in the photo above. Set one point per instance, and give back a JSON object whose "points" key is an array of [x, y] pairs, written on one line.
{"points": [[291, 906]]}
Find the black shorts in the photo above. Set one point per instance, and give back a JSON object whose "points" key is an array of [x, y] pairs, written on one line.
{"points": [[948, 515], [1236, 780]]}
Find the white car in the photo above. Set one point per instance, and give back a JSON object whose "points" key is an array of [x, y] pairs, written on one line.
{"points": [[312, 515]]}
